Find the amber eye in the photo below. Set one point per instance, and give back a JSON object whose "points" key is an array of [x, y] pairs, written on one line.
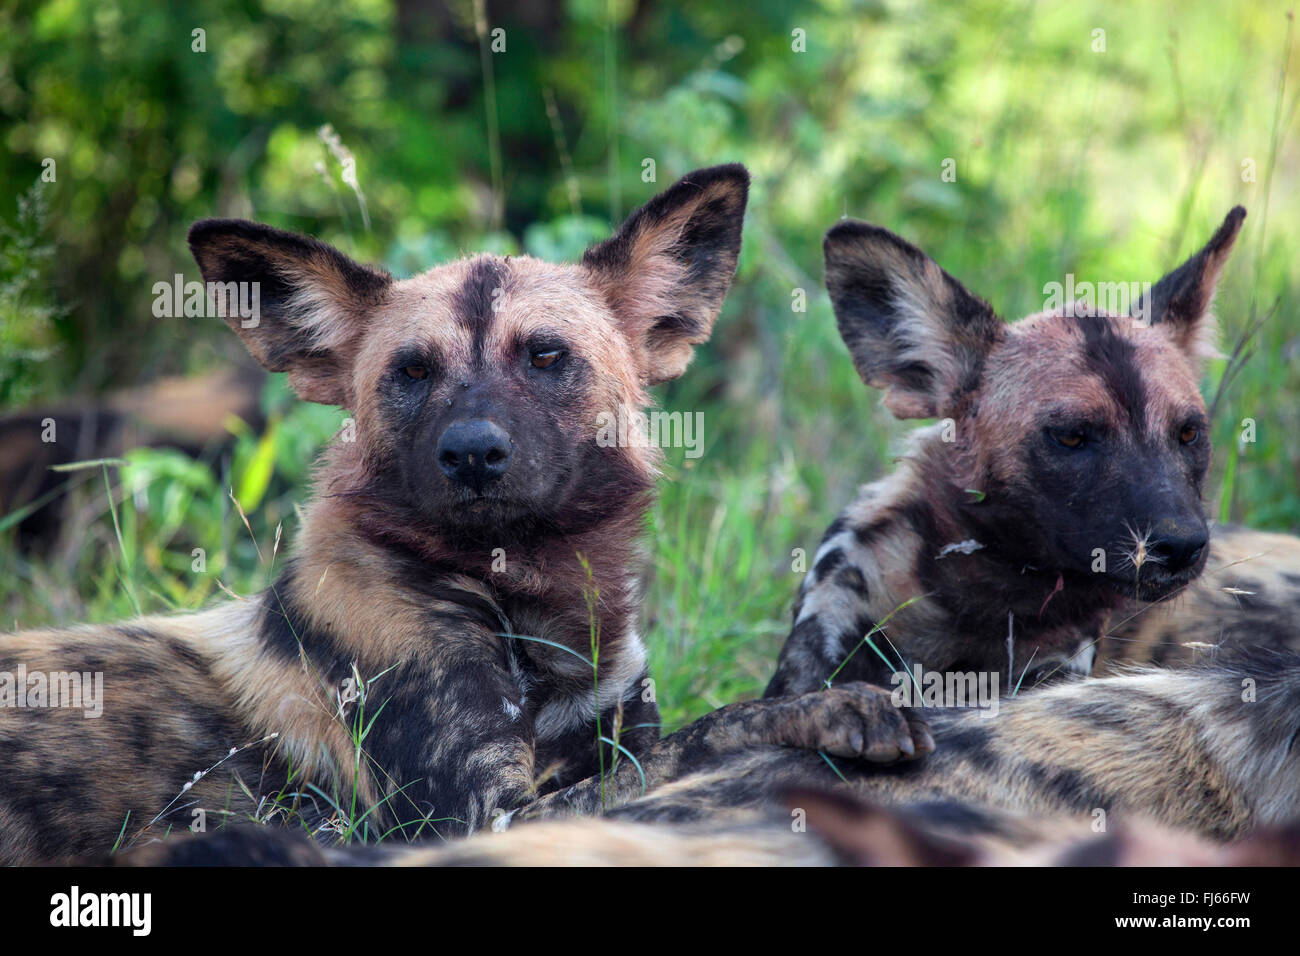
{"points": [[415, 371], [1189, 434], [546, 359], [1070, 441]]}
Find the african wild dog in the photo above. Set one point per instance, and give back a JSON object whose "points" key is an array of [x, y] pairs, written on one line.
{"points": [[1152, 767], [841, 830], [456, 564], [1064, 479]]}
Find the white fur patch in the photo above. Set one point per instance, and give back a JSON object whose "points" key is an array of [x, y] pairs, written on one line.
{"points": [[563, 714], [969, 546], [319, 314]]}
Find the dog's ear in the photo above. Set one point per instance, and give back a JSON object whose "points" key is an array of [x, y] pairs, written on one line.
{"points": [[1181, 300], [865, 834], [667, 269], [912, 329], [311, 301]]}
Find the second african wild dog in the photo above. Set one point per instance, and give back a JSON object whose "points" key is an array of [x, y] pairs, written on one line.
{"points": [[475, 388], [1064, 481]]}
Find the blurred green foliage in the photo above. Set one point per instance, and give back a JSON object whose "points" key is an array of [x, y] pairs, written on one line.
{"points": [[1110, 161], [26, 301]]}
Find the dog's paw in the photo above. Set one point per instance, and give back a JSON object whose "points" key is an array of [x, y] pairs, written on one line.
{"points": [[861, 720]]}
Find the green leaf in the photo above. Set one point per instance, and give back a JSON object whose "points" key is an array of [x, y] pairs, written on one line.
{"points": [[254, 477]]}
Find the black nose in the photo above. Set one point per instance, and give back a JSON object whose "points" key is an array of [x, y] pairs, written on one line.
{"points": [[1178, 550], [475, 452]]}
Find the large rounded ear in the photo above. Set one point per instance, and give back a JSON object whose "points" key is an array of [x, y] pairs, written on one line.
{"points": [[310, 301], [1181, 300], [667, 269], [912, 329]]}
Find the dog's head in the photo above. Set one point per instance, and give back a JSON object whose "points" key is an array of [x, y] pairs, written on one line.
{"points": [[1078, 434], [476, 387]]}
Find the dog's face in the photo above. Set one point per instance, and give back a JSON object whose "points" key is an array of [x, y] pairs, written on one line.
{"points": [[1093, 429], [482, 384], [1080, 438], [476, 387]]}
